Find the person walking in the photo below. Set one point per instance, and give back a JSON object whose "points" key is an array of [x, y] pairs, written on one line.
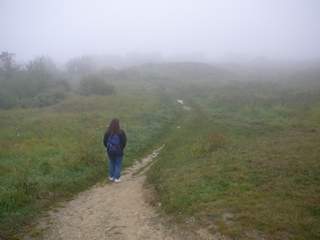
{"points": [[115, 141]]}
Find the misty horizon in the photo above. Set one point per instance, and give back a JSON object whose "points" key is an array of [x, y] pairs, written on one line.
{"points": [[202, 31]]}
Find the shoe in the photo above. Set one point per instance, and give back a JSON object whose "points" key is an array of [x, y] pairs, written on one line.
{"points": [[117, 180], [111, 178]]}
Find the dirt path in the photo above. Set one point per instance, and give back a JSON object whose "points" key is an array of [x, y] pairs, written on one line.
{"points": [[109, 211]]}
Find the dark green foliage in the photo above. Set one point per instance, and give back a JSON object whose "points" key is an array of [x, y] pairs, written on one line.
{"points": [[95, 84], [38, 84], [6, 99]]}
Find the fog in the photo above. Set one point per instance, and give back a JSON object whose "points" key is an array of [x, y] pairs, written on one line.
{"points": [[203, 30]]}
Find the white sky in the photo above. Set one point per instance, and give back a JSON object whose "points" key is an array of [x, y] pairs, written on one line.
{"points": [[279, 29]]}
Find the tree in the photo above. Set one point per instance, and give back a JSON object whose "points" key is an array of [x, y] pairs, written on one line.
{"points": [[7, 64], [81, 66], [39, 83], [42, 66], [39, 73]]}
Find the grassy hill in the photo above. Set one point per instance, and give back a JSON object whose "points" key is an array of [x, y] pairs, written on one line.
{"points": [[50, 153], [244, 161]]}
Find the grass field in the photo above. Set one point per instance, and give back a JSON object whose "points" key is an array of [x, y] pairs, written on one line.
{"points": [[245, 162], [50, 153]]}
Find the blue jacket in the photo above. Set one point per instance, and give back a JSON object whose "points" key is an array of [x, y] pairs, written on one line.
{"points": [[123, 140]]}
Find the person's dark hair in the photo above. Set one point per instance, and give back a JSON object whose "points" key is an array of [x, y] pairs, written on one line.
{"points": [[114, 126]]}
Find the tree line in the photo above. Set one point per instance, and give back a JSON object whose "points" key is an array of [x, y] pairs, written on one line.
{"points": [[40, 82]]}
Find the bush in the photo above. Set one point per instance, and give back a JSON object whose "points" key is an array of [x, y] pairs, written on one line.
{"points": [[93, 84], [6, 100], [47, 99]]}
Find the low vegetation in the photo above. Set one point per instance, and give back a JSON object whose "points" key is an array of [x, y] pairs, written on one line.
{"points": [[53, 152], [50, 150], [95, 85], [245, 162], [241, 157]]}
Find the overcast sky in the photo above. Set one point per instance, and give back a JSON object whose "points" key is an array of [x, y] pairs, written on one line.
{"points": [[280, 29]]}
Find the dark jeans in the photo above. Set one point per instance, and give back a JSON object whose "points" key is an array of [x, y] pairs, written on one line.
{"points": [[115, 167]]}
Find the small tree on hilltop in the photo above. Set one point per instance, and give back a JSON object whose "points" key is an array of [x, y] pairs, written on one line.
{"points": [[7, 64]]}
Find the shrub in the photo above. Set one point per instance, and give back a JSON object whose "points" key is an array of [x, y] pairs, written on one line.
{"points": [[47, 98], [93, 84], [6, 100]]}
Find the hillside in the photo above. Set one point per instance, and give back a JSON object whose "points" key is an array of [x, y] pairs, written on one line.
{"points": [[240, 158]]}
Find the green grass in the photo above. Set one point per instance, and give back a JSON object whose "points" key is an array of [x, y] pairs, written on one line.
{"points": [[244, 160], [243, 163], [48, 154]]}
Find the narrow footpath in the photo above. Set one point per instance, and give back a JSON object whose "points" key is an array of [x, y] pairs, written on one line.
{"points": [[115, 211]]}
